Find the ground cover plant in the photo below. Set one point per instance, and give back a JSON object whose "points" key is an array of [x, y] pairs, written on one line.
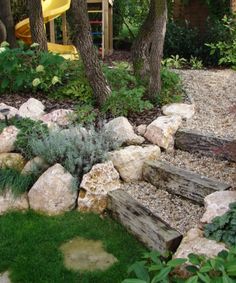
{"points": [[223, 228], [28, 129], [29, 247], [161, 268]]}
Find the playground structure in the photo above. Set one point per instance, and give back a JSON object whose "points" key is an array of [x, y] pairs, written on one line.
{"points": [[99, 10]]}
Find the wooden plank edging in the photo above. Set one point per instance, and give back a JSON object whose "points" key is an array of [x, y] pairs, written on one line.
{"points": [[142, 223], [209, 145]]}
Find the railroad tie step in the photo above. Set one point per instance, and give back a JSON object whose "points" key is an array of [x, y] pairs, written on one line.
{"points": [[181, 182]]}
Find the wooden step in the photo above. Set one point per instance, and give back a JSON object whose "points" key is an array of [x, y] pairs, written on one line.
{"points": [[181, 182], [141, 222], [196, 142]]}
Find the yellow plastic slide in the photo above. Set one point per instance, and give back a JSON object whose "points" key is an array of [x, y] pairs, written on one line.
{"points": [[51, 10]]}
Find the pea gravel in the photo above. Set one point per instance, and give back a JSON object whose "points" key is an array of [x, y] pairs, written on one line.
{"points": [[179, 213], [214, 94], [223, 171]]}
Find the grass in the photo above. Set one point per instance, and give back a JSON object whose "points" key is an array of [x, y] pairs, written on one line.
{"points": [[29, 247]]}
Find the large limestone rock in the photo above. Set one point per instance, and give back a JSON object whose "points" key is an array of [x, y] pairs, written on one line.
{"points": [[162, 130], [61, 117], [129, 161], [194, 242], [185, 111], [141, 129], [12, 160], [5, 277], [35, 165], [10, 202], [12, 111], [53, 193], [121, 130], [7, 139], [95, 185], [32, 109], [217, 204]]}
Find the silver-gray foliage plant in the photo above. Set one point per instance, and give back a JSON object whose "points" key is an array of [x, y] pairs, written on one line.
{"points": [[77, 149]]}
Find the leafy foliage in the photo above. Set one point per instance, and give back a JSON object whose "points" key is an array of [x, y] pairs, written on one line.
{"points": [[76, 149], [171, 88], [226, 48], [30, 70], [15, 181], [175, 62], [85, 114], [28, 129], [223, 228], [157, 268], [124, 102], [120, 76], [76, 86]]}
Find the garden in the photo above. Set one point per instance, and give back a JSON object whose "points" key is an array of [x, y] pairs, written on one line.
{"points": [[117, 141]]}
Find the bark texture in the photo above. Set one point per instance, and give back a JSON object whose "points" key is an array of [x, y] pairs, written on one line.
{"points": [[82, 38], [7, 20], [147, 49], [3, 32], [38, 32]]}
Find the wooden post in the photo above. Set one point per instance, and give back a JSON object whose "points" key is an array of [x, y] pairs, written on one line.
{"points": [[105, 13], [52, 31], [110, 29], [64, 29]]}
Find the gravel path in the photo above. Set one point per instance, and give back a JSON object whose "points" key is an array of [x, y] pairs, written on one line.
{"points": [[223, 171], [178, 213], [214, 95]]}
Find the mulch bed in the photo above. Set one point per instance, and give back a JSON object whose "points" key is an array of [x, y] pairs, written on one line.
{"points": [[16, 100]]}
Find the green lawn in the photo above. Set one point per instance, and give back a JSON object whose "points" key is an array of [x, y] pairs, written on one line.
{"points": [[29, 247]]}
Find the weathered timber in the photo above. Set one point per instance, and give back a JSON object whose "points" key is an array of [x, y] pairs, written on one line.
{"points": [[195, 142], [141, 222], [180, 182]]}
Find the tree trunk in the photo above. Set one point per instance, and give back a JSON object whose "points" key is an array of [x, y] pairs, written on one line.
{"points": [[7, 19], [82, 38], [3, 32], [147, 48], [156, 51], [37, 24]]}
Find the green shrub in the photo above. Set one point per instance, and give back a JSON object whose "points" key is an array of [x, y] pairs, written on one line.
{"points": [[175, 62], [227, 47], [195, 63], [28, 129], [85, 114], [223, 228], [125, 101], [77, 149], [157, 268], [120, 76], [180, 40], [172, 90], [28, 70], [76, 86], [15, 181]]}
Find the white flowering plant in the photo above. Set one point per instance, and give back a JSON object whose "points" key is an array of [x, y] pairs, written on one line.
{"points": [[28, 69]]}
